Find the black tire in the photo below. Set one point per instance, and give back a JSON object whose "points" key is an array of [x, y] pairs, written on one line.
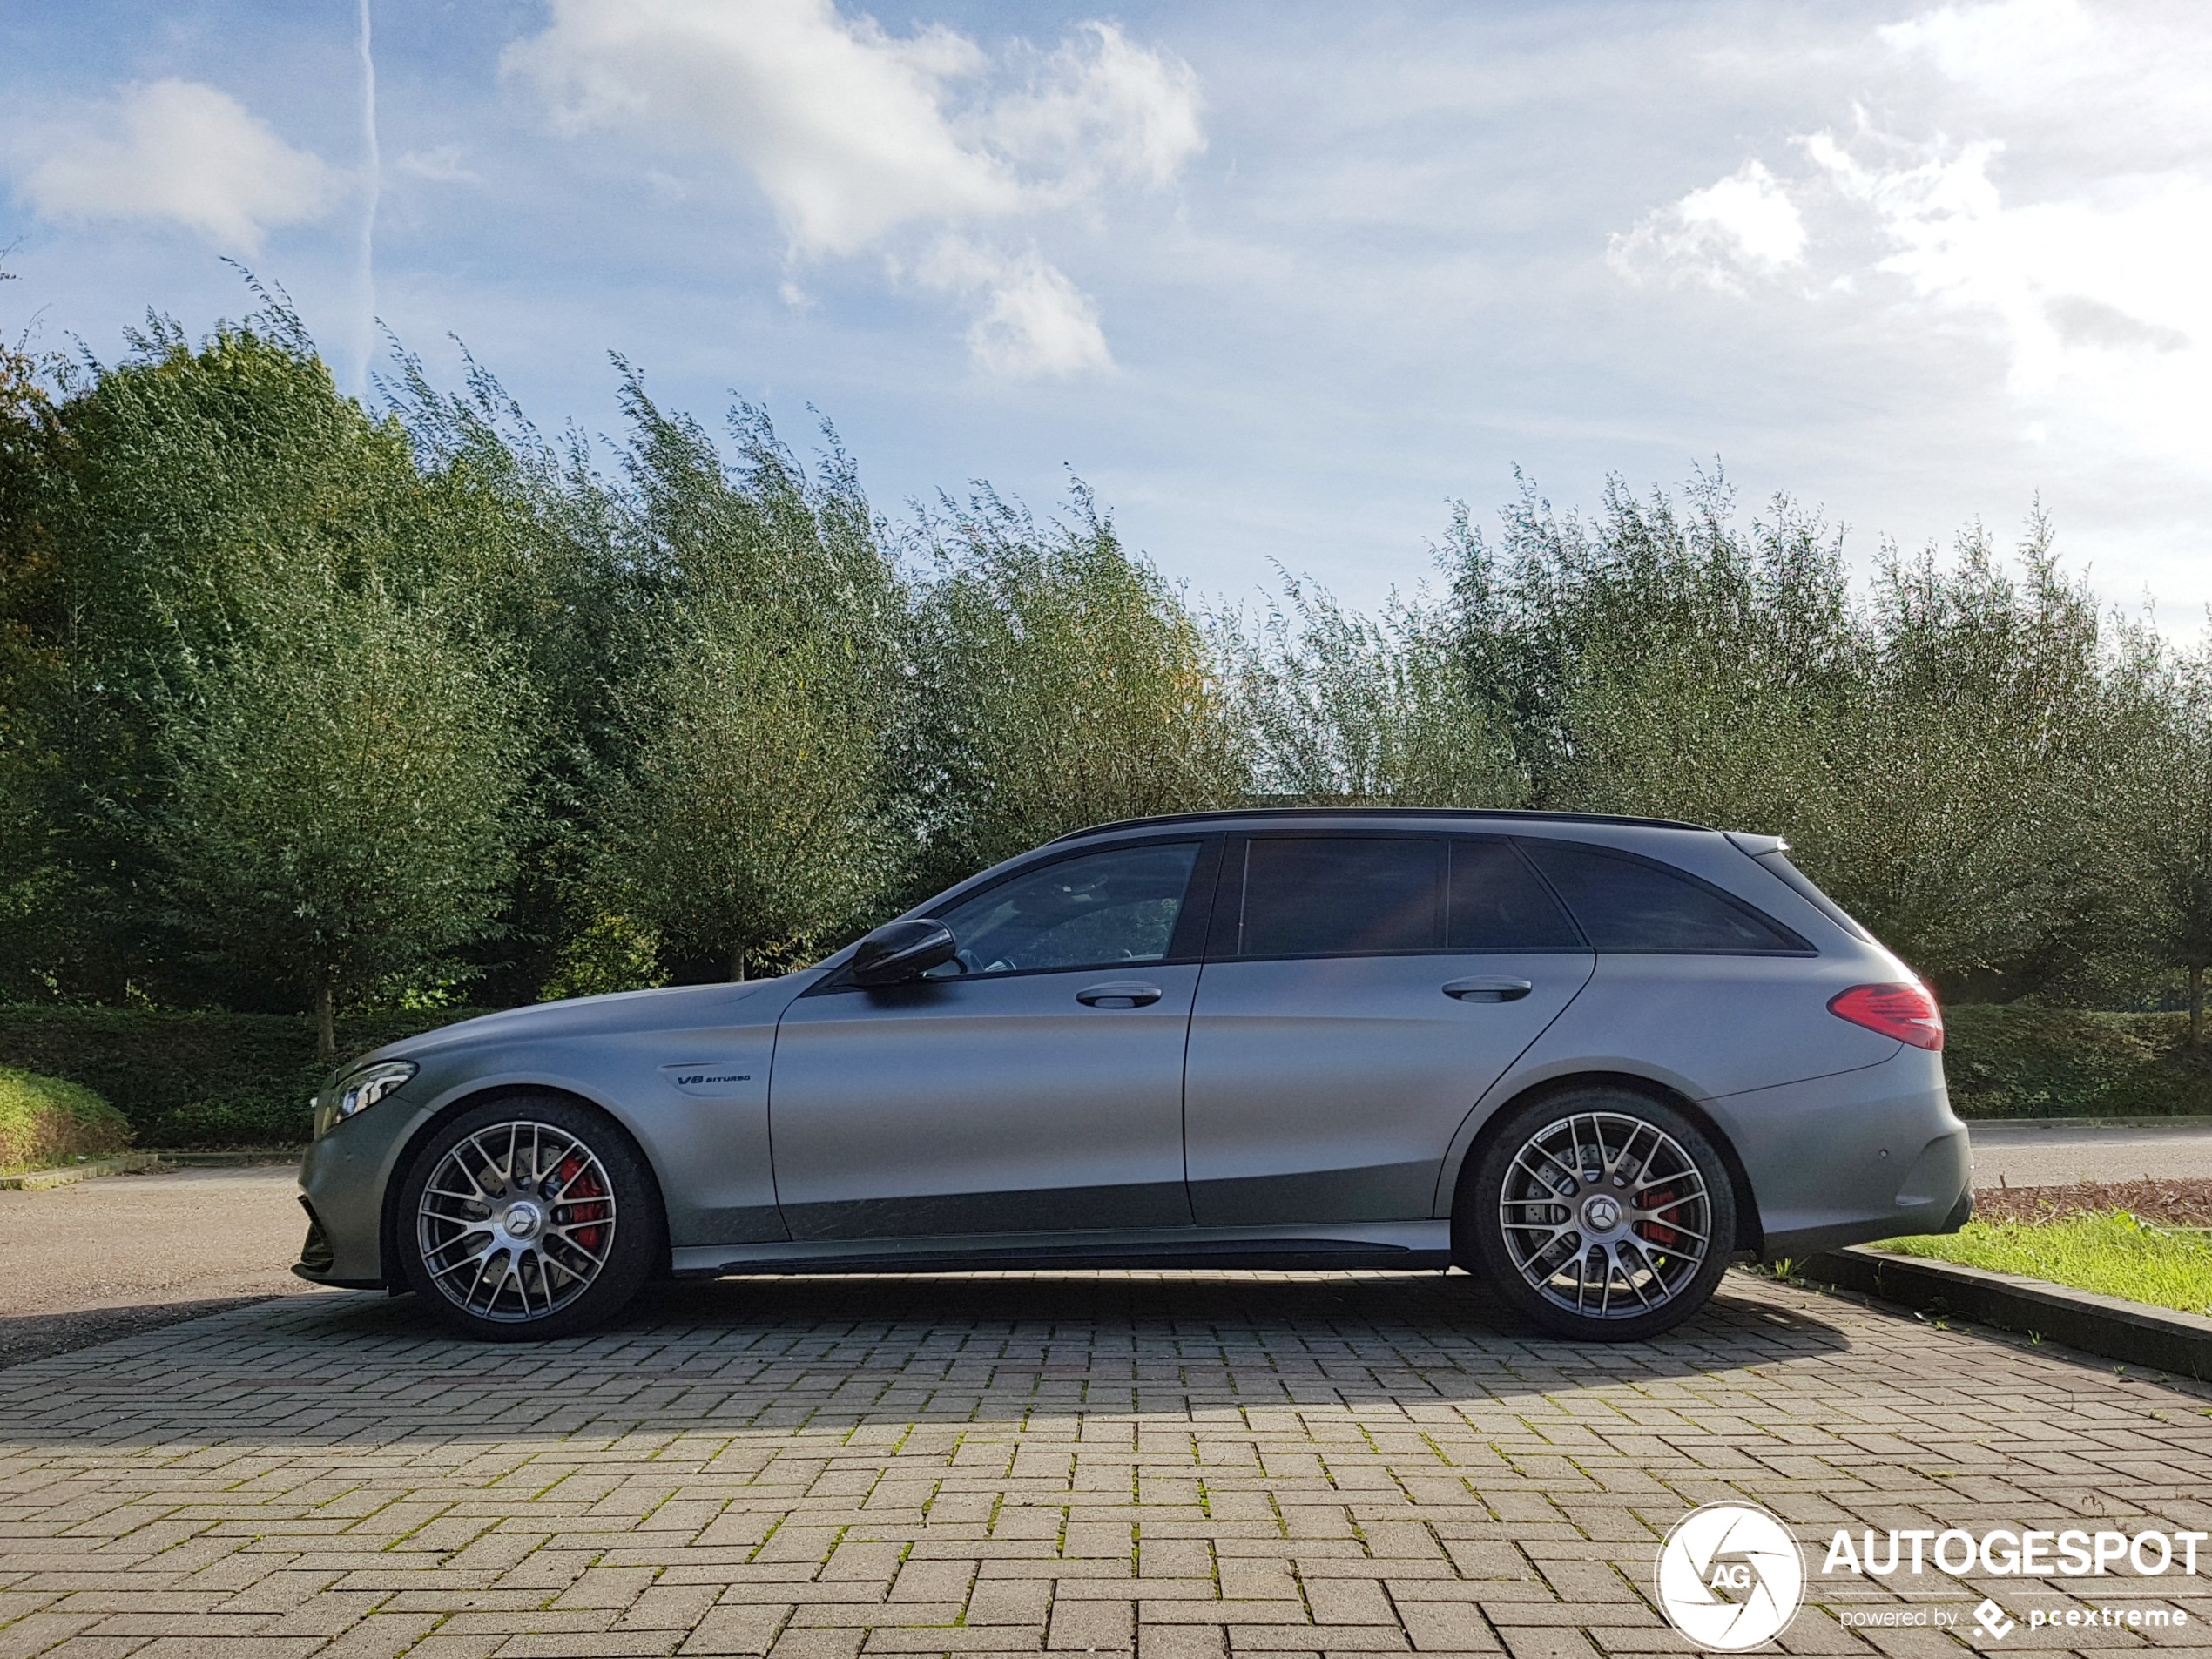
{"points": [[1570, 1249], [557, 1226]]}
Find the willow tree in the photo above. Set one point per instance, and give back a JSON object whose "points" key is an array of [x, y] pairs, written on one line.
{"points": [[337, 818], [753, 822], [2172, 815], [1060, 683], [753, 826], [1345, 708], [35, 456]]}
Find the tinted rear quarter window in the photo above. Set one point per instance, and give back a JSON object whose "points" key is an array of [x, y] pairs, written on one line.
{"points": [[1625, 904], [1329, 895]]}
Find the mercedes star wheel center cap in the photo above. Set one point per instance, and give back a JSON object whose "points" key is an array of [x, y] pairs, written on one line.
{"points": [[1602, 1213], [521, 1220]]}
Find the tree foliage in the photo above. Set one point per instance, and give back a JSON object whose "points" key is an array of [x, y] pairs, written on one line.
{"points": [[1058, 682], [303, 704], [340, 784], [1344, 709]]}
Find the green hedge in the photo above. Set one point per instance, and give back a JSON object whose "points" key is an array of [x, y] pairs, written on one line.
{"points": [[205, 1080], [49, 1120], [2014, 1062]]}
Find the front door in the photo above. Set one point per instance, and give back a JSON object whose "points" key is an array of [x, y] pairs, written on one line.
{"points": [[1361, 993], [1032, 1085]]}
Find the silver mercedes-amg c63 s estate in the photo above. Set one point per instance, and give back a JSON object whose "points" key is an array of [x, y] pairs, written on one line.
{"points": [[1588, 1059]]}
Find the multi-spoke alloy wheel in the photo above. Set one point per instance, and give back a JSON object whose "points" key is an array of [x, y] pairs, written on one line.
{"points": [[1602, 1214], [516, 1221], [533, 1220]]}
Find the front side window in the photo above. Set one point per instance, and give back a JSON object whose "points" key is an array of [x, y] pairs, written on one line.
{"points": [[1099, 910], [1333, 895], [1627, 904]]}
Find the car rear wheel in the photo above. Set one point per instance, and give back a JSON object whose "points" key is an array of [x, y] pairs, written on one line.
{"points": [[528, 1217], [1599, 1214]]}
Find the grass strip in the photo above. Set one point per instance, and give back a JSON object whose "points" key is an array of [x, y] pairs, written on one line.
{"points": [[46, 1121], [2110, 1252]]}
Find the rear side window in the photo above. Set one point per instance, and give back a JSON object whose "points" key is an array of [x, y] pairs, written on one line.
{"points": [[1498, 903], [1625, 903], [1334, 895]]}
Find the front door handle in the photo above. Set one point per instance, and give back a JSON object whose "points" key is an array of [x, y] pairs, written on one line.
{"points": [[1119, 994], [1489, 990]]}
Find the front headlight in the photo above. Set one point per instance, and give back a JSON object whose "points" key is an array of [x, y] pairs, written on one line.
{"points": [[370, 1084]]}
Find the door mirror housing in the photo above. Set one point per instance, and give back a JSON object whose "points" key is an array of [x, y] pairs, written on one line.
{"points": [[900, 951]]}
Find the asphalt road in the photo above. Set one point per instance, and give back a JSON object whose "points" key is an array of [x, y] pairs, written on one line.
{"points": [[2028, 1155], [123, 1253]]}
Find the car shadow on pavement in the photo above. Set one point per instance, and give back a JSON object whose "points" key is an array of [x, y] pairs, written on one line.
{"points": [[26, 1336], [732, 1354]]}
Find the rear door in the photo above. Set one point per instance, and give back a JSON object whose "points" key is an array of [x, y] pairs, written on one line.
{"points": [[1360, 992]]}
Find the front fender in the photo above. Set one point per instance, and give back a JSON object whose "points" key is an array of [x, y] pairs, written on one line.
{"points": [[693, 1096]]}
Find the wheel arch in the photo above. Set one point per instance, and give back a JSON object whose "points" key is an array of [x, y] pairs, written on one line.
{"points": [[389, 1259], [1749, 1233]]}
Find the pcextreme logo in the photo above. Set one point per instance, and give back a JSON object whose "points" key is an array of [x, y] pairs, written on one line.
{"points": [[1729, 1577]]}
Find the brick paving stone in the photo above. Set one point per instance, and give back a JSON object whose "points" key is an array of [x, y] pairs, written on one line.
{"points": [[1140, 1465]]}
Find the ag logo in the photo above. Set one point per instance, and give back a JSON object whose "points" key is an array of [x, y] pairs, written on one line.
{"points": [[1729, 1577]]}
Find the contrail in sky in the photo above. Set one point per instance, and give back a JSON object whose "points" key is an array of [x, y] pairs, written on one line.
{"points": [[366, 336]]}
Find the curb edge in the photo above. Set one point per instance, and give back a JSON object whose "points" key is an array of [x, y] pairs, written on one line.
{"points": [[2179, 1344]]}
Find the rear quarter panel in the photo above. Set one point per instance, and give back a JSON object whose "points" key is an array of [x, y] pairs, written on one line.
{"points": [[1706, 1027]]}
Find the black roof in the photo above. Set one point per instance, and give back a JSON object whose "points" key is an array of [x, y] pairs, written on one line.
{"points": [[1478, 815]]}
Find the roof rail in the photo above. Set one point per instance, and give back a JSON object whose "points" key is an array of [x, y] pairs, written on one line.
{"points": [[1480, 814]]}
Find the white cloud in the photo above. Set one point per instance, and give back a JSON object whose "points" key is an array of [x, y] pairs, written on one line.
{"points": [[1034, 322], [442, 166], [2002, 43], [1743, 225], [866, 142], [187, 153], [2097, 297], [1100, 110], [842, 125], [2072, 230]]}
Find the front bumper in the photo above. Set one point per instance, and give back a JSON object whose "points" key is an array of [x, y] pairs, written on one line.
{"points": [[343, 1181], [318, 1259]]}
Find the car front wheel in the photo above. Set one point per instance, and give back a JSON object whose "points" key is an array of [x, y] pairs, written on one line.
{"points": [[525, 1218], [1599, 1214]]}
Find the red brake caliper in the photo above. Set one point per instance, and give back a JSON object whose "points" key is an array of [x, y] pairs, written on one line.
{"points": [[1658, 1232], [578, 1203]]}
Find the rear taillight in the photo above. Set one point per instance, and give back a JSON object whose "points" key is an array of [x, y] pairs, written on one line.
{"points": [[1906, 1012]]}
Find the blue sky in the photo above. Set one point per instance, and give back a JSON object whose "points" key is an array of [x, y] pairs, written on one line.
{"points": [[1280, 280]]}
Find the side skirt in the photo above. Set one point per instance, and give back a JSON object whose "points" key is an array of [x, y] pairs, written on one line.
{"points": [[1400, 1246]]}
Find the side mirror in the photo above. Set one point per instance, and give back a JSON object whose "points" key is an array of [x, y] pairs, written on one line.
{"points": [[900, 951]]}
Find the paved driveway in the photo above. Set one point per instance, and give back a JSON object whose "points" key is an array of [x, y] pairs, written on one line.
{"points": [[1183, 1467]]}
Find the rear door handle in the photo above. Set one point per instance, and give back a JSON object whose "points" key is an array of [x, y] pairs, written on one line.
{"points": [[1489, 990], [1119, 994]]}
